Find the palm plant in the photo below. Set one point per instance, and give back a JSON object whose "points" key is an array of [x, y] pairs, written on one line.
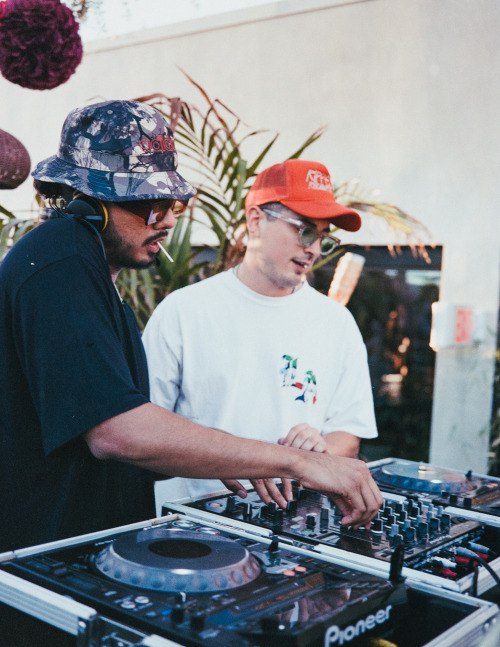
{"points": [[11, 229], [211, 141]]}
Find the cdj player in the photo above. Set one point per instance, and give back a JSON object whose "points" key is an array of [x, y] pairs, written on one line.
{"points": [[443, 549], [475, 496], [178, 580]]}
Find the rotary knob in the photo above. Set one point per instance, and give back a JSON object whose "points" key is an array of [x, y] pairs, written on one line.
{"points": [[177, 614], [311, 521], [197, 621]]}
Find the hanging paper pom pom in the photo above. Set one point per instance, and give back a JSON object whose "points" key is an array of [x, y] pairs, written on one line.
{"points": [[40, 46], [15, 162]]}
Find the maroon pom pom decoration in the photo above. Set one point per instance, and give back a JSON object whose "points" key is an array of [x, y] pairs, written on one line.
{"points": [[40, 46], [15, 162]]}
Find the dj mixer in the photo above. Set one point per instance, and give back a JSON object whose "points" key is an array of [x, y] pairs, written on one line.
{"points": [[440, 544]]}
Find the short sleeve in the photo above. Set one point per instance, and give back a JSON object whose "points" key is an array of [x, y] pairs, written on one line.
{"points": [[162, 339], [70, 341]]}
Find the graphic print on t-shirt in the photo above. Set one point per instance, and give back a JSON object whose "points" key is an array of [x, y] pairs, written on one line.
{"points": [[307, 386]]}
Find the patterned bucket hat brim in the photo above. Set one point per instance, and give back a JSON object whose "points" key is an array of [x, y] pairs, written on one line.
{"points": [[117, 151]]}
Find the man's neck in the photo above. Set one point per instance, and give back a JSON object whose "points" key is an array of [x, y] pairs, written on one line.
{"points": [[259, 283]]}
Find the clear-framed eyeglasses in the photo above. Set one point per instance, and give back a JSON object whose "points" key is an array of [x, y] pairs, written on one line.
{"points": [[308, 234]]}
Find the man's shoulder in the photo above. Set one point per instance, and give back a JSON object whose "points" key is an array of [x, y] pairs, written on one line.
{"points": [[34, 251], [51, 241], [47, 245], [198, 289], [328, 308], [324, 301], [190, 301]]}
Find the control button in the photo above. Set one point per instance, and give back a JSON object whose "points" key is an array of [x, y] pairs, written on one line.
{"points": [[394, 530], [337, 512], [271, 624], [445, 522], [128, 604], [59, 569], [413, 510], [220, 581], [108, 593], [410, 535], [289, 573], [177, 614], [278, 517], [403, 515], [274, 546], [433, 525], [247, 511], [311, 521], [183, 523], [197, 621], [142, 599], [422, 531], [237, 577]]}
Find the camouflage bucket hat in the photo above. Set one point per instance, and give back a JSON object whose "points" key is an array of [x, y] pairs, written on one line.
{"points": [[117, 151]]}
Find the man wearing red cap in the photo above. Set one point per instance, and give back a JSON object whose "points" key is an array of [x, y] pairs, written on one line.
{"points": [[256, 350]]}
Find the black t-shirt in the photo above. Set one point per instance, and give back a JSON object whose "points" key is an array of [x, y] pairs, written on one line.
{"points": [[70, 357]]}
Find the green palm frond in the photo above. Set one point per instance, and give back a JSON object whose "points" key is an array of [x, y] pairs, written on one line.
{"points": [[210, 138], [11, 230]]}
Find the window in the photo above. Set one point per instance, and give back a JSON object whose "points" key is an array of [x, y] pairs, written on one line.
{"points": [[392, 306]]}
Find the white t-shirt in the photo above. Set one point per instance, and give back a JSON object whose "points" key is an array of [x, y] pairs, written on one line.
{"points": [[225, 356]]}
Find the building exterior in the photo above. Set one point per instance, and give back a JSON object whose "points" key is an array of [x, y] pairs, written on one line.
{"points": [[409, 93]]}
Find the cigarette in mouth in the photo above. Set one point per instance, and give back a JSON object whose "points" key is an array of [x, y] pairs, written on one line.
{"points": [[166, 253]]}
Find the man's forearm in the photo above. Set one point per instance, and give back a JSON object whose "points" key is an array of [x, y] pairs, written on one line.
{"points": [[161, 441], [165, 443], [341, 443]]}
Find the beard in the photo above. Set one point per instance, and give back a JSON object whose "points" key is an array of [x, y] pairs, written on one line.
{"points": [[120, 253]]}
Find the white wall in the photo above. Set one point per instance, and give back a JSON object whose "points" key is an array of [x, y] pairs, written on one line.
{"points": [[409, 92]]}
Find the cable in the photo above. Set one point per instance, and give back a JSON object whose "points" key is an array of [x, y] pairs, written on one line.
{"points": [[83, 220], [469, 553], [48, 213]]}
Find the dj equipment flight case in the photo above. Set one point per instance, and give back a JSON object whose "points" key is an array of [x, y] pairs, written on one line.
{"points": [[222, 571]]}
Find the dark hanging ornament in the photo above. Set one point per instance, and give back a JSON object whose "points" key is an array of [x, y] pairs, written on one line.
{"points": [[15, 161], [40, 46]]}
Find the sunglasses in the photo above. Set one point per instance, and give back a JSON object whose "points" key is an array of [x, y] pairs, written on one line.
{"points": [[308, 234], [152, 211]]}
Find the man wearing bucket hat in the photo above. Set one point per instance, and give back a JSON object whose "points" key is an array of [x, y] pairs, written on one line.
{"points": [[281, 362], [81, 439]]}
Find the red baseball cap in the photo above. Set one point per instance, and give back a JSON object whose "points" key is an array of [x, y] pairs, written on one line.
{"points": [[304, 187]]}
